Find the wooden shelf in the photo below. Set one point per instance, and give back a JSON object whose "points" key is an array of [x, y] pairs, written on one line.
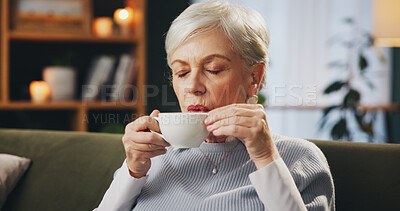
{"points": [[110, 105], [383, 107], [69, 105], [48, 37], [83, 47]]}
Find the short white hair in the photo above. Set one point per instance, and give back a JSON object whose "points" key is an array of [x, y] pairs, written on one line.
{"points": [[245, 28]]}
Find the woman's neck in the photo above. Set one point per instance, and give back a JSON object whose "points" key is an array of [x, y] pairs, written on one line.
{"points": [[214, 139]]}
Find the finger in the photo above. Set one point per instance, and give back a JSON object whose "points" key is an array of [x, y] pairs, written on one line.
{"points": [[236, 105], [141, 156], [229, 111], [155, 113], [144, 138], [233, 130], [146, 147], [234, 120], [143, 123]]}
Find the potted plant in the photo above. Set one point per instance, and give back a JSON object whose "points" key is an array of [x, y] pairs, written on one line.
{"points": [[355, 63], [61, 78]]}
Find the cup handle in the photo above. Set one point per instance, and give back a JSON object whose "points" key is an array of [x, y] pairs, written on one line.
{"points": [[159, 134]]}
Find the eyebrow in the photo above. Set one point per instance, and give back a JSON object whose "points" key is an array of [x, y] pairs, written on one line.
{"points": [[207, 58], [178, 60]]}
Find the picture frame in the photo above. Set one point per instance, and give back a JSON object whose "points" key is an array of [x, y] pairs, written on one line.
{"points": [[57, 16]]}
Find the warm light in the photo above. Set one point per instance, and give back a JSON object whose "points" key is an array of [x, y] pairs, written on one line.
{"points": [[102, 27], [386, 22], [123, 16], [40, 91]]}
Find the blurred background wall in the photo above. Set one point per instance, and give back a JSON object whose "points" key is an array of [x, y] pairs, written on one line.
{"points": [[313, 44], [326, 79]]}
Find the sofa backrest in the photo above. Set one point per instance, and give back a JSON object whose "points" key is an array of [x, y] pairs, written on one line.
{"points": [[69, 170], [72, 170], [366, 175]]}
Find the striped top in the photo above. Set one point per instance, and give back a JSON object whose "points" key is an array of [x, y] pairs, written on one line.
{"points": [[182, 179]]}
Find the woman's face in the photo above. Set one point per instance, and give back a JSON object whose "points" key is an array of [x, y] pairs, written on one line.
{"points": [[208, 74]]}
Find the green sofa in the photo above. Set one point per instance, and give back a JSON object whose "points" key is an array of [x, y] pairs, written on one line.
{"points": [[72, 170]]}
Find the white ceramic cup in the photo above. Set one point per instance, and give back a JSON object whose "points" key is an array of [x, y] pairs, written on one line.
{"points": [[183, 130]]}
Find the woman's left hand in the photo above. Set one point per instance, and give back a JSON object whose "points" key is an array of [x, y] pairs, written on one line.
{"points": [[247, 122]]}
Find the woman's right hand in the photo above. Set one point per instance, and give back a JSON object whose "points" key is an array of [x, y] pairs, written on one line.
{"points": [[140, 144]]}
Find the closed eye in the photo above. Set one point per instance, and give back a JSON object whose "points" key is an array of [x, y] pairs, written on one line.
{"points": [[215, 72], [182, 75]]}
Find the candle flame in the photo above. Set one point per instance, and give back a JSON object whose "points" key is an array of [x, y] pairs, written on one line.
{"points": [[40, 91], [123, 14]]}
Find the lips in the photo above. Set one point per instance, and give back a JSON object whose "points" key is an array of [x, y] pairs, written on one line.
{"points": [[198, 108]]}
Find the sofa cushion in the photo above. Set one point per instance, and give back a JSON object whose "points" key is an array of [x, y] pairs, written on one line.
{"points": [[69, 170], [11, 170]]}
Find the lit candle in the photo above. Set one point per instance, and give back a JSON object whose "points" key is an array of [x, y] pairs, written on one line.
{"points": [[123, 17], [40, 91], [102, 26]]}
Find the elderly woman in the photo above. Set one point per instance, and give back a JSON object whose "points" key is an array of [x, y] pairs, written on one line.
{"points": [[218, 53]]}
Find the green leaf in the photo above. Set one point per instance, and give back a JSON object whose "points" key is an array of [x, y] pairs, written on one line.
{"points": [[324, 117], [261, 98], [362, 63], [339, 130], [369, 82], [322, 123], [335, 86], [351, 99], [365, 127], [329, 109]]}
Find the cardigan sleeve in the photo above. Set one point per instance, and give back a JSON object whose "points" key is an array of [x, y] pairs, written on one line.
{"points": [[123, 191], [276, 188], [300, 180]]}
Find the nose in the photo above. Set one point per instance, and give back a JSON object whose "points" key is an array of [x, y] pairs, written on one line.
{"points": [[195, 84]]}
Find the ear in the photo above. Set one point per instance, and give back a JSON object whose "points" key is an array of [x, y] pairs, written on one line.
{"points": [[257, 72]]}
